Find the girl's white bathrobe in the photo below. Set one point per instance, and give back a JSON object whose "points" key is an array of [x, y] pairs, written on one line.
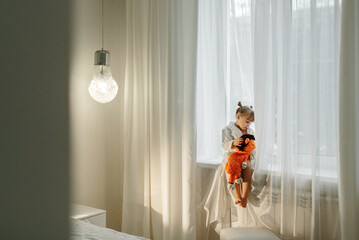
{"points": [[220, 200]]}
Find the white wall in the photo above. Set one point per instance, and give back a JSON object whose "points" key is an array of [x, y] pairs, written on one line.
{"points": [[34, 125], [96, 129]]}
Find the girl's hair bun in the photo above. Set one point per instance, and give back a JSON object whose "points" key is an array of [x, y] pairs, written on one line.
{"points": [[245, 111]]}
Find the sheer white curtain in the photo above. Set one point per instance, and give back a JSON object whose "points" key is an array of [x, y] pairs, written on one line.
{"points": [[159, 117], [296, 66], [211, 79], [287, 54], [349, 121], [224, 71]]}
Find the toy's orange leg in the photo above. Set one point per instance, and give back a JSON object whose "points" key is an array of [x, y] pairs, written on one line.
{"points": [[235, 176], [231, 178], [246, 185]]}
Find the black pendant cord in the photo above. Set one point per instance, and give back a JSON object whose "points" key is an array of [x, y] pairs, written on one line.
{"points": [[103, 35]]}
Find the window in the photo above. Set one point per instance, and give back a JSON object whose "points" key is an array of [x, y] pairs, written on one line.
{"points": [[231, 33]]}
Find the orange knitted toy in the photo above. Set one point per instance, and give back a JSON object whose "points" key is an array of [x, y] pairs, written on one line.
{"points": [[238, 160]]}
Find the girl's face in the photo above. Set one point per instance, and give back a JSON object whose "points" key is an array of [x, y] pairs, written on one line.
{"points": [[243, 122]]}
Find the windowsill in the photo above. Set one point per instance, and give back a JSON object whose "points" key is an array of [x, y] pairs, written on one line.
{"points": [[325, 175], [210, 163]]}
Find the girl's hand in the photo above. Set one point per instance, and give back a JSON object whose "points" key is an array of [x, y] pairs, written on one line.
{"points": [[238, 141]]}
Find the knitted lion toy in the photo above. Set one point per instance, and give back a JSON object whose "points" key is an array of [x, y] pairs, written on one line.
{"points": [[238, 160]]}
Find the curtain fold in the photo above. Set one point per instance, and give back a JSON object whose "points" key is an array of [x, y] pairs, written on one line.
{"points": [[159, 119], [349, 121]]}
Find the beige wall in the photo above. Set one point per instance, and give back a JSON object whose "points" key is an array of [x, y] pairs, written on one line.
{"points": [[96, 129]]}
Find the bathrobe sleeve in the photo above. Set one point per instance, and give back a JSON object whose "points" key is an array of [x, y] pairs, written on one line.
{"points": [[253, 153], [227, 138]]}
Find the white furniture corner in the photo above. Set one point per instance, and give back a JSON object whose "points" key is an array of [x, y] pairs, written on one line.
{"points": [[88, 214], [247, 233]]}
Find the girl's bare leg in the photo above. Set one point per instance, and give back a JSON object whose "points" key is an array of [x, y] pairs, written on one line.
{"points": [[246, 184], [237, 193]]}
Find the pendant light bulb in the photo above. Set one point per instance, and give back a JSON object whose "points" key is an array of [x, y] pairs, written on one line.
{"points": [[103, 87]]}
